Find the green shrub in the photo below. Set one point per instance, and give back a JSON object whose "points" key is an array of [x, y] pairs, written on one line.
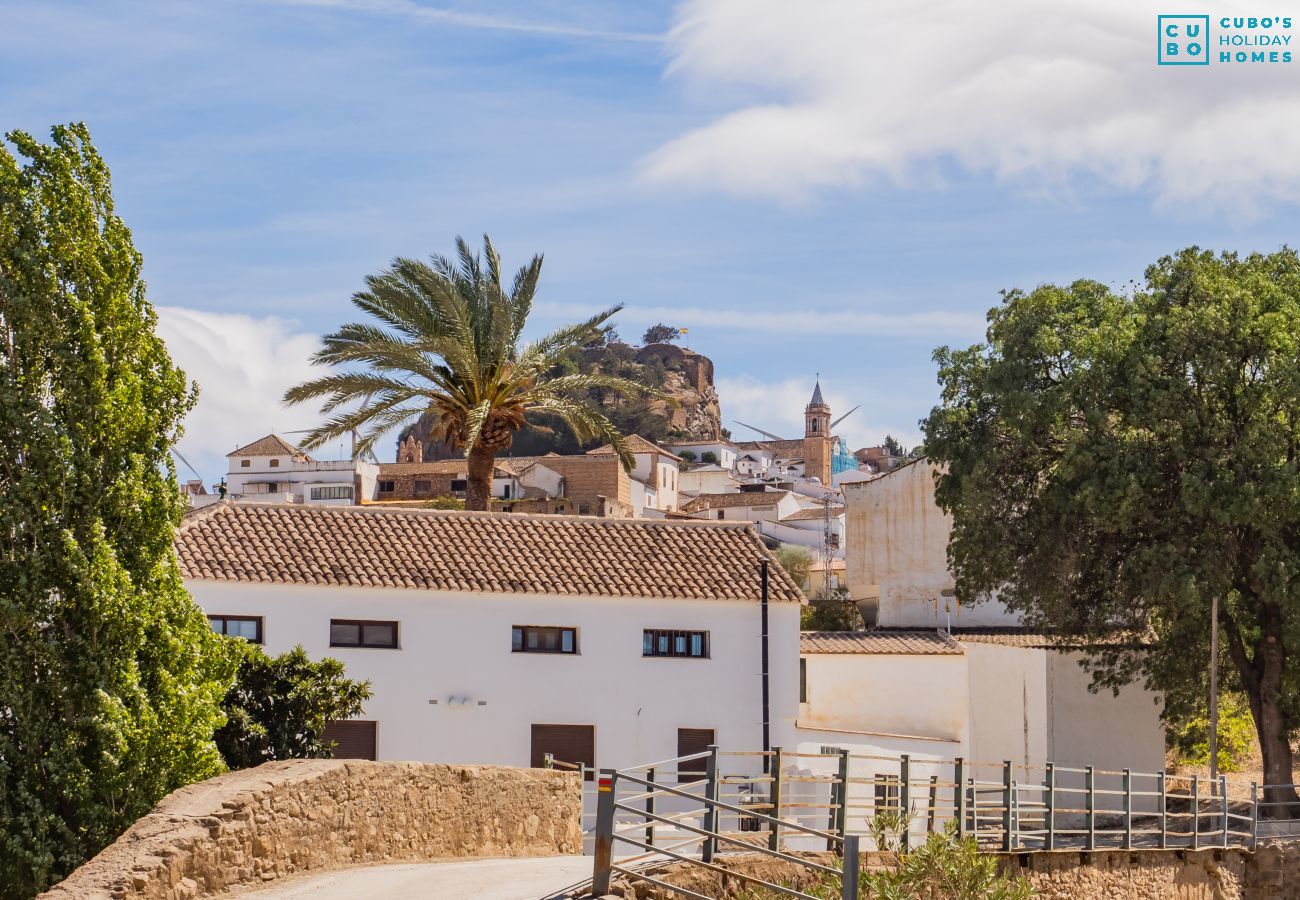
{"points": [[1190, 739], [446, 501]]}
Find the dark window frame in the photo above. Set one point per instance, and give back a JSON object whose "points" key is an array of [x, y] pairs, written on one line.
{"points": [[361, 634], [803, 680], [521, 644], [227, 619], [386, 486], [676, 643], [334, 491]]}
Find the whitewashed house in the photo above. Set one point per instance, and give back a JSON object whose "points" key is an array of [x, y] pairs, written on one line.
{"points": [[271, 468], [1018, 695], [654, 475], [497, 638]]}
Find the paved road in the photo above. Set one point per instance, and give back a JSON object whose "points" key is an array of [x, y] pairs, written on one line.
{"points": [[478, 879]]}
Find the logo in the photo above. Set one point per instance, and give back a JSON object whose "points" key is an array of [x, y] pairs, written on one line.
{"points": [[1183, 40]]}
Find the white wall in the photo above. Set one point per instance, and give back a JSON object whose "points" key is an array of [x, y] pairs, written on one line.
{"points": [[886, 694], [706, 481], [456, 646], [548, 481], [1008, 704], [1101, 729], [297, 477], [896, 541]]}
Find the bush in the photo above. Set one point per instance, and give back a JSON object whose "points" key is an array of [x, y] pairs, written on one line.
{"points": [[279, 706], [949, 867], [797, 561], [1190, 739], [446, 501], [832, 610], [709, 457], [688, 455]]}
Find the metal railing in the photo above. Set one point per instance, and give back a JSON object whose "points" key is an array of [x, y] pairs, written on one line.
{"points": [[777, 803]]}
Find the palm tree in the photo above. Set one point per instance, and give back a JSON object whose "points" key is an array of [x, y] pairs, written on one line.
{"points": [[445, 339]]}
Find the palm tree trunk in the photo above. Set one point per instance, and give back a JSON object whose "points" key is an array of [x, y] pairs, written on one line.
{"points": [[478, 486]]}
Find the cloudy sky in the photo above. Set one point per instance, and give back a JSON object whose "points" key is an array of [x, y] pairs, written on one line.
{"points": [[833, 186]]}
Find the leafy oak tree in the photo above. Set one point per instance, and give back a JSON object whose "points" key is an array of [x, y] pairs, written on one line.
{"points": [[1112, 461], [110, 679]]}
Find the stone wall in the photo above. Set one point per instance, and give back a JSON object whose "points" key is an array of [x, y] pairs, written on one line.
{"points": [[257, 825], [1062, 875]]}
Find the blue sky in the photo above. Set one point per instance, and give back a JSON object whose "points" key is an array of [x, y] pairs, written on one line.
{"points": [[806, 187]]}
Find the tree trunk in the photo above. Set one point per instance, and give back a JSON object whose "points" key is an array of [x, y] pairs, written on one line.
{"points": [[1262, 678], [478, 486]]}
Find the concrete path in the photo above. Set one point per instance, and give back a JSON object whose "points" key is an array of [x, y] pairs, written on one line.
{"points": [[476, 879]]}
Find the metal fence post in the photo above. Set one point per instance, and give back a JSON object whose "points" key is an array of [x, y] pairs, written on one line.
{"points": [[841, 810], [905, 799], [1128, 810], [1223, 795], [774, 800], [603, 853], [1254, 815], [849, 880], [1163, 811], [650, 808], [1090, 782], [1007, 776], [710, 800], [959, 794], [1196, 812], [1049, 778]]}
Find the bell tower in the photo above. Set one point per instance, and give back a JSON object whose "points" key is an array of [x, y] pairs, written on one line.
{"points": [[817, 437]]}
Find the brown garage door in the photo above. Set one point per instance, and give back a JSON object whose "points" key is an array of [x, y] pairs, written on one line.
{"points": [[355, 739], [567, 743]]}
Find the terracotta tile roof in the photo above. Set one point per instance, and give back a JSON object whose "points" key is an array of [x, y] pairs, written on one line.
{"points": [[784, 449], [733, 499], [887, 642], [486, 552], [635, 444], [1036, 640], [271, 445], [814, 513]]}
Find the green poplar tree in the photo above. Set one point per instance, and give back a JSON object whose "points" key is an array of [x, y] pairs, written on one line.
{"points": [[110, 680]]}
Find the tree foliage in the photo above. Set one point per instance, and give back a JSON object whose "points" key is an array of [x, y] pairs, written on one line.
{"points": [[893, 446], [832, 609], [445, 337], [947, 867], [1114, 460], [660, 334], [796, 560], [279, 706], [110, 676]]}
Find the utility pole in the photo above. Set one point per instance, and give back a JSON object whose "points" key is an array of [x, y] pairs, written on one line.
{"points": [[767, 706], [1214, 690]]}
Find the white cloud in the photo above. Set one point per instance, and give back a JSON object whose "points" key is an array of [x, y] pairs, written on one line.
{"points": [[1037, 94], [777, 406], [243, 365]]}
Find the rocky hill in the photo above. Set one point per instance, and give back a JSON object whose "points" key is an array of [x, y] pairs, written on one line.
{"points": [[680, 374]]}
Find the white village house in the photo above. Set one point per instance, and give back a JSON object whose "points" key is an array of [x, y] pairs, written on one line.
{"points": [[939, 678], [497, 638]]}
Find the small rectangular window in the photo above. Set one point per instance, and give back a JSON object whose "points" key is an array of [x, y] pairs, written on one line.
{"points": [[423, 487], [803, 681], [387, 487], [337, 492], [360, 633], [689, 742], [458, 485], [543, 639], [245, 463], [247, 627], [665, 642], [275, 464]]}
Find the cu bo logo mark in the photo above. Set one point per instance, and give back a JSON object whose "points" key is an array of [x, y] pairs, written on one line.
{"points": [[1183, 40]]}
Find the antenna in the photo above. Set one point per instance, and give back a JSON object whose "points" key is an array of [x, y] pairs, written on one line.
{"points": [[187, 464]]}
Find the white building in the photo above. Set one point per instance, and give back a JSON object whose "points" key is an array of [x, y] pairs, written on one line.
{"points": [[654, 475], [966, 678], [721, 453], [273, 469], [496, 638]]}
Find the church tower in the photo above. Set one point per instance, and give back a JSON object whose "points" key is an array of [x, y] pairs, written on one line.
{"points": [[817, 438]]}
